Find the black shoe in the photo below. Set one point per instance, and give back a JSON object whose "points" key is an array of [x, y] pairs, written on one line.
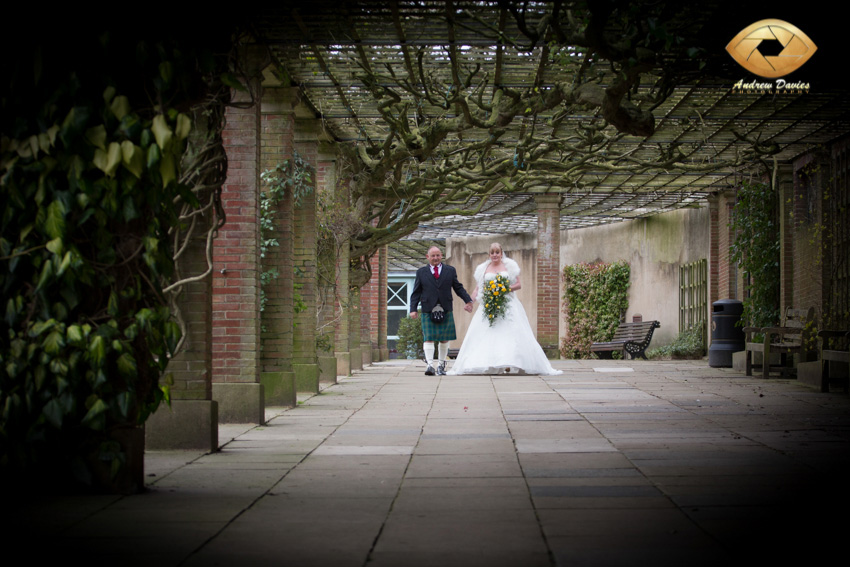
{"points": [[429, 371], [441, 369]]}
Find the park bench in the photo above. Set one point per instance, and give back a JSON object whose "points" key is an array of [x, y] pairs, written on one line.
{"points": [[791, 337], [632, 338], [829, 355]]}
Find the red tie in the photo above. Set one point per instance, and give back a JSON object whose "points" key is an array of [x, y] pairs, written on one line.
{"points": [[436, 273]]}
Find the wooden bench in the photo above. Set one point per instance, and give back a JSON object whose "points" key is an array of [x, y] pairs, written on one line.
{"points": [[791, 337], [632, 338], [829, 355]]}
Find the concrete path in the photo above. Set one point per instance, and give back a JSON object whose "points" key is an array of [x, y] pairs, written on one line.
{"points": [[612, 463]]}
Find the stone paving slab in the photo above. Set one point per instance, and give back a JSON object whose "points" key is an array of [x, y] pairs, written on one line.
{"points": [[611, 463]]}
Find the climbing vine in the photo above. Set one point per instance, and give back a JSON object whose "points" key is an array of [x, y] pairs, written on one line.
{"points": [[756, 250], [111, 162], [294, 177], [596, 301]]}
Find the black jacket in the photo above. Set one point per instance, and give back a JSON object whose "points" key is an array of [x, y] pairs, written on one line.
{"points": [[432, 291]]}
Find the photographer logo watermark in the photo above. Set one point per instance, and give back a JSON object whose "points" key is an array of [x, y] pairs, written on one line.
{"points": [[771, 49]]}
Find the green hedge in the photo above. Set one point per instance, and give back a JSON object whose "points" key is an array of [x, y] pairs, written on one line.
{"points": [[596, 301]]}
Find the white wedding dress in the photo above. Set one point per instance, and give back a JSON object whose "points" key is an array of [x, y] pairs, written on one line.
{"points": [[509, 346]]}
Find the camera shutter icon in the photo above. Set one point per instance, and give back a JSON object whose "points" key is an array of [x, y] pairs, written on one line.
{"points": [[797, 48]]}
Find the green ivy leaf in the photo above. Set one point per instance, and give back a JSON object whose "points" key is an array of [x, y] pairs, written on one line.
{"points": [[54, 222], [108, 161], [96, 136], [46, 275], [55, 246], [112, 305], [53, 342], [97, 351], [91, 419], [53, 413], [167, 169], [184, 126], [127, 365], [120, 107], [74, 333], [162, 133], [132, 158]]}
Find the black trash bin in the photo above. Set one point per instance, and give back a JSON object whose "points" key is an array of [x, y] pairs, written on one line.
{"points": [[726, 336]]}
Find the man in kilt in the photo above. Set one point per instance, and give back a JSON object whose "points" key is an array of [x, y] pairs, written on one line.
{"points": [[433, 286]]}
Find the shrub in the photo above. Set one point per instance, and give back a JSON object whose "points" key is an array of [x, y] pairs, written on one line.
{"points": [[409, 343], [596, 302], [689, 344]]}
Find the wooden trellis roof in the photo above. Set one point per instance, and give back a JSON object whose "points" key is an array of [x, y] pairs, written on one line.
{"points": [[319, 43]]}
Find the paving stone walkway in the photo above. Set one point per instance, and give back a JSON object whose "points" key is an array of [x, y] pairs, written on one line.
{"points": [[611, 463]]}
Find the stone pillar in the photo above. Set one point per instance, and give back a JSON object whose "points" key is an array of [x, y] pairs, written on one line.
{"points": [[236, 275], [304, 359], [191, 423], [277, 376], [548, 271]]}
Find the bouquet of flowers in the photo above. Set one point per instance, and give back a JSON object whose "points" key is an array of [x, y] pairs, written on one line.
{"points": [[495, 297]]}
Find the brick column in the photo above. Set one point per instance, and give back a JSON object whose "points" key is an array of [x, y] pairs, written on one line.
{"points": [[343, 270], [724, 280], [383, 263], [354, 327], [327, 275], [548, 272], [368, 293], [785, 188], [236, 276], [304, 357], [371, 307], [192, 420], [276, 138]]}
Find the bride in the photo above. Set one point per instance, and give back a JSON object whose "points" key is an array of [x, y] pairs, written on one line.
{"points": [[509, 345]]}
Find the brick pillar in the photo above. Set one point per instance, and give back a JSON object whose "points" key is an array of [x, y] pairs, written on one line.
{"points": [[327, 276], [276, 138], [368, 293], [713, 251], [236, 276], [371, 308], [354, 327], [376, 290], [548, 273], [304, 356], [724, 280], [192, 420], [343, 270], [785, 188], [381, 312]]}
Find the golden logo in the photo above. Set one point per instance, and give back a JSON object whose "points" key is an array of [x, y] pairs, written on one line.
{"points": [[797, 48]]}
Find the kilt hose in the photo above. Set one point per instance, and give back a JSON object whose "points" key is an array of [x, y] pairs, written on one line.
{"points": [[438, 332]]}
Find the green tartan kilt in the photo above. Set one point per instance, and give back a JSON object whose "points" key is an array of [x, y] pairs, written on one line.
{"points": [[439, 332]]}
